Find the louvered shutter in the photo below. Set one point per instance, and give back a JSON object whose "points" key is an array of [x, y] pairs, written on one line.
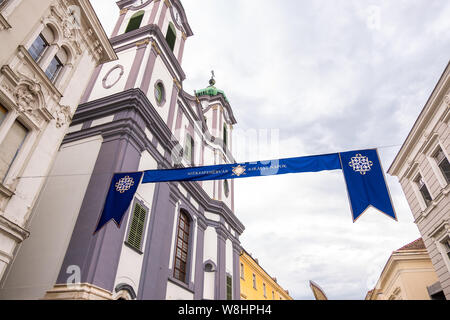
{"points": [[136, 231]]}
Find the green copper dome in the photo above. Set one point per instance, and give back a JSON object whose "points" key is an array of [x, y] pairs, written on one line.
{"points": [[211, 90]]}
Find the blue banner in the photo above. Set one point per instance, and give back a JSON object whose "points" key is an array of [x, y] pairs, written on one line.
{"points": [[365, 181], [246, 170], [364, 177], [121, 193]]}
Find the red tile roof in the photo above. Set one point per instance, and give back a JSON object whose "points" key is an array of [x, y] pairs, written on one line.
{"points": [[415, 245]]}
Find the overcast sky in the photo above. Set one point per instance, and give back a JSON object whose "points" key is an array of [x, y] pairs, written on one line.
{"points": [[327, 76]]}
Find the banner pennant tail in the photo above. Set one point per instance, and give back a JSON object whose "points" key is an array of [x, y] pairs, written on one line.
{"points": [[366, 184], [121, 193], [390, 212]]}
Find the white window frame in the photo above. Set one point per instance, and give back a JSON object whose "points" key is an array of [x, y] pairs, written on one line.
{"points": [[418, 194], [440, 235], [6, 9], [434, 165]]}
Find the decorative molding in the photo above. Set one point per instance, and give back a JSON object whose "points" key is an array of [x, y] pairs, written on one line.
{"points": [[155, 46], [169, 58], [123, 11], [177, 83], [63, 116], [82, 291], [4, 23], [143, 42], [18, 233], [105, 79]]}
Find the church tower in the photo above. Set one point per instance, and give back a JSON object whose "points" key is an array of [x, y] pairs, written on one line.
{"points": [[149, 39], [178, 240]]}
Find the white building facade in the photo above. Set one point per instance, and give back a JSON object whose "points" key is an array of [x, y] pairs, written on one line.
{"points": [[423, 169], [177, 240], [47, 49]]}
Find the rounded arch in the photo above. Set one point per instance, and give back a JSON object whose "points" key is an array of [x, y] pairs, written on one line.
{"points": [[209, 266], [124, 292], [56, 30], [69, 54]]}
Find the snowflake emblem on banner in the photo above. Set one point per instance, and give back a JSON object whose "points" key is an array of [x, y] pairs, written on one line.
{"points": [[361, 164], [124, 184], [238, 170]]}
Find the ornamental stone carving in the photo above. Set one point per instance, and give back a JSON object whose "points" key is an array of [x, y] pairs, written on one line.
{"points": [[447, 100], [27, 98], [62, 116]]}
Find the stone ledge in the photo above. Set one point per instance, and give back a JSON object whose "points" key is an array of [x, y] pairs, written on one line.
{"points": [[82, 291]]}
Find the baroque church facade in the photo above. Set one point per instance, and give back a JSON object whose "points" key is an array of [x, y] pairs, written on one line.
{"points": [[178, 240]]}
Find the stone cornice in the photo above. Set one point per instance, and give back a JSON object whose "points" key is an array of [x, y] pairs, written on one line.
{"points": [[4, 23], [17, 232], [108, 51]]}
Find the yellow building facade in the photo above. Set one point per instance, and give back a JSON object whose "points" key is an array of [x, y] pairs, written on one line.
{"points": [[406, 276], [256, 283]]}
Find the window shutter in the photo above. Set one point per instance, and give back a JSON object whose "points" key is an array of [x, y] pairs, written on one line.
{"points": [[137, 227]]}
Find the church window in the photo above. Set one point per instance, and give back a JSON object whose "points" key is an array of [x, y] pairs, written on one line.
{"points": [[10, 147], [182, 247], [443, 164], [254, 281], [171, 36], [159, 93], [135, 21], [136, 229]]}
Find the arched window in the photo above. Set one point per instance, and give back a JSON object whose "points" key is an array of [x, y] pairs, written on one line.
{"points": [[171, 36], [41, 43], [225, 136], [160, 94], [57, 64], [135, 21], [182, 247]]}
